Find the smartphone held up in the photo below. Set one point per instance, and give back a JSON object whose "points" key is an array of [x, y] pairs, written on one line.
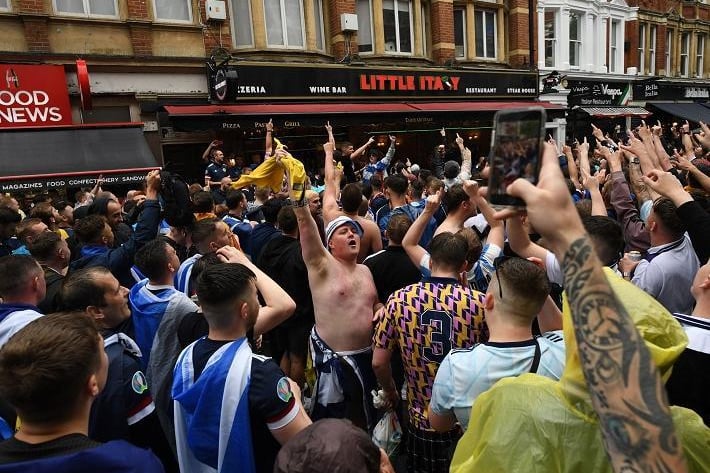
{"points": [[516, 148]]}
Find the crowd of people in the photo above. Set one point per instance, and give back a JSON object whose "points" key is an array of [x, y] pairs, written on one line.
{"points": [[267, 318]]}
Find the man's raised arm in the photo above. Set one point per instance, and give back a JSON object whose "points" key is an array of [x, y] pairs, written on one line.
{"points": [[626, 389]]}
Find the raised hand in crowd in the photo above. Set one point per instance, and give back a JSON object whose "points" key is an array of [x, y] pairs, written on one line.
{"points": [[621, 376]]}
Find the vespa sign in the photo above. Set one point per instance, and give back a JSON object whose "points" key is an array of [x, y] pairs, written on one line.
{"points": [[33, 96]]}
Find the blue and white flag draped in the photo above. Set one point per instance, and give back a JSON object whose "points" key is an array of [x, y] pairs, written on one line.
{"points": [[212, 428]]}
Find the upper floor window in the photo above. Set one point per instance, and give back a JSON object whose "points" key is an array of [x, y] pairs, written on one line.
{"points": [[241, 23], [669, 50], [614, 46], [4, 5], [89, 8], [318, 15], [485, 33], [460, 33], [575, 39], [684, 48], [652, 50], [550, 38], [173, 10], [364, 25], [699, 61], [642, 49], [284, 23], [397, 16]]}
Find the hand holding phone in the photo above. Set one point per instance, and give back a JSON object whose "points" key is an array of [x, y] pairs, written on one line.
{"points": [[517, 143]]}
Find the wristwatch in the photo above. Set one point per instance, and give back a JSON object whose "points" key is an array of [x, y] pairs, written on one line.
{"points": [[634, 161]]}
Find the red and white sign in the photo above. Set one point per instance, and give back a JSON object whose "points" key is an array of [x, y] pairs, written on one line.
{"points": [[33, 96]]}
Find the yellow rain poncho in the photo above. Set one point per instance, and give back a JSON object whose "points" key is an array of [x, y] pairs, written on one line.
{"points": [[535, 424], [271, 174]]}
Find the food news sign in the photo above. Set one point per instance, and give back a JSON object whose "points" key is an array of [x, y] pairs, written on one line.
{"points": [[33, 95]]}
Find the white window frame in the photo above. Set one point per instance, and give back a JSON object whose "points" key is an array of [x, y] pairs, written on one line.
{"points": [[642, 49], [462, 13], [398, 41], [371, 28], [580, 32], [86, 13], [555, 38], [699, 55], [425, 36], [685, 43], [189, 21], [284, 28], [483, 12], [233, 26], [8, 7], [669, 50], [653, 34]]}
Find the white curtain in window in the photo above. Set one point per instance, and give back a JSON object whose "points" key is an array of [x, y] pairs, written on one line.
{"points": [[102, 7], [241, 16], [274, 27], [318, 14], [172, 10], [364, 32], [70, 6], [294, 22], [4, 4]]}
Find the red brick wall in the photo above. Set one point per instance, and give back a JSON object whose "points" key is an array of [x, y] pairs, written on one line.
{"points": [[632, 38], [36, 34], [30, 6], [442, 31], [211, 35], [138, 10], [335, 9], [517, 34]]}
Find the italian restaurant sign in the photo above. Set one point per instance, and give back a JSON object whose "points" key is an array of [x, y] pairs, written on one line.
{"points": [[32, 95], [323, 82]]}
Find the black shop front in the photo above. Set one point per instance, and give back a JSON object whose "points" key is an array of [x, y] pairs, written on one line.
{"points": [[359, 102]]}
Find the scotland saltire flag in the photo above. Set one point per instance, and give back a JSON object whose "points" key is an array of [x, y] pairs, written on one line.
{"points": [[212, 428]]}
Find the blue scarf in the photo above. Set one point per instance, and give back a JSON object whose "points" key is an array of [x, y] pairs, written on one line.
{"points": [[212, 427]]}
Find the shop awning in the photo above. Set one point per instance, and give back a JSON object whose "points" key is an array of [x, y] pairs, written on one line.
{"points": [[196, 117], [693, 112], [34, 159], [610, 112]]}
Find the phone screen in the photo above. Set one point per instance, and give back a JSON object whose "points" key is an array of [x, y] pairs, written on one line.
{"points": [[515, 152]]}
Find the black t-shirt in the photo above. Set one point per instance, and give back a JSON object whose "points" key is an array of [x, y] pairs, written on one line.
{"points": [[391, 270], [271, 401], [16, 451]]}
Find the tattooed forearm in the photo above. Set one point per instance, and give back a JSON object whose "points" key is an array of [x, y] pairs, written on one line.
{"points": [[626, 390]]}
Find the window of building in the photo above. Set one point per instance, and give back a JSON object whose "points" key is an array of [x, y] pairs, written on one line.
{"points": [[173, 10], [485, 33], [4, 5], [684, 48], [284, 23], [318, 15], [89, 8], [669, 50], [642, 49], [550, 38], [425, 28], [613, 46], [460, 32], [652, 50], [397, 18], [575, 39], [364, 24], [699, 60], [241, 23]]}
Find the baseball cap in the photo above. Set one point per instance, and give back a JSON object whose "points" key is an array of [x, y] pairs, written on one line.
{"points": [[339, 222]]}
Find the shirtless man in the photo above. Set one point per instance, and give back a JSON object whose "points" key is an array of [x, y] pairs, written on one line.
{"points": [[370, 242], [344, 301]]}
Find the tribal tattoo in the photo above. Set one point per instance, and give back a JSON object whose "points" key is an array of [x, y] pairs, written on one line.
{"points": [[626, 389]]}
